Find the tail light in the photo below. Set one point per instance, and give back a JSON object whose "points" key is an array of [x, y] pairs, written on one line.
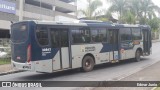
{"points": [[29, 53]]}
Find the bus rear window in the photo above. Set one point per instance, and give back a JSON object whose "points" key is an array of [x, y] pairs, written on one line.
{"points": [[42, 36], [19, 33]]}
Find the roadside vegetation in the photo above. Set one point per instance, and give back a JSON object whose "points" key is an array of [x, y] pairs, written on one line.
{"points": [[143, 12], [5, 61]]}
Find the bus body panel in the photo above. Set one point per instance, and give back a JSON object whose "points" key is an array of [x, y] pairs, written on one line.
{"points": [[65, 57], [101, 52], [56, 62], [19, 52], [43, 65]]}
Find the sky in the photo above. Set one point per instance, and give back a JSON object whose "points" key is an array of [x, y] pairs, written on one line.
{"points": [[82, 4]]}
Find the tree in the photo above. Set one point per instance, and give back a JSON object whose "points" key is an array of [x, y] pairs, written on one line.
{"points": [[118, 6], [148, 9], [154, 23], [129, 18], [90, 12], [135, 8]]}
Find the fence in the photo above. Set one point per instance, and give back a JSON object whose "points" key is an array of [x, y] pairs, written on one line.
{"points": [[4, 42]]}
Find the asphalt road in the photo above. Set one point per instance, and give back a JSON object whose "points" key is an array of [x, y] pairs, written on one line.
{"points": [[103, 72]]}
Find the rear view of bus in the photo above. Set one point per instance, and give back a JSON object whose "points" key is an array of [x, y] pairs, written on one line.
{"points": [[21, 45]]}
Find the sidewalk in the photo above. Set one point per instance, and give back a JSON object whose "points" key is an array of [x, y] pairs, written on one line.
{"points": [[154, 41], [151, 73], [7, 69]]}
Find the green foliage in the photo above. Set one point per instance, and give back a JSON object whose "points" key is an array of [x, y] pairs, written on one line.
{"points": [[103, 19], [128, 18], [5, 61], [134, 10], [154, 23], [129, 11], [90, 12], [119, 6]]}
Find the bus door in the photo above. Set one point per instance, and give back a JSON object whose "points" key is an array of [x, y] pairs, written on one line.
{"points": [[114, 52], [59, 40], [146, 41]]}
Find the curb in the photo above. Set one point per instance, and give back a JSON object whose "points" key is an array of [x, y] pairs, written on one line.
{"points": [[11, 72], [153, 88], [154, 41]]}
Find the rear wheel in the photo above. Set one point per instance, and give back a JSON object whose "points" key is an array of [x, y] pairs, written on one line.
{"points": [[138, 56], [87, 63]]}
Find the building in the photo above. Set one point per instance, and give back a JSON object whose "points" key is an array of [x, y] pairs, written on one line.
{"points": [[17, 10]]}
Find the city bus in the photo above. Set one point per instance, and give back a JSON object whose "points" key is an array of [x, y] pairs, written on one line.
{"points": [[50, 46]]}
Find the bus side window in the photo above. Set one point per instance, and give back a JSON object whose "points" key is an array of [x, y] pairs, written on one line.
{"points": [[126, 37], [55, 39], [111, 37], [99, 35], [81, 35], [64, 38], [42, 36], [126, 34], [136, 34]]}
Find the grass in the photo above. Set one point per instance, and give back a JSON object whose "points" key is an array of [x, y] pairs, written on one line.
{"points": [[5, 61]]}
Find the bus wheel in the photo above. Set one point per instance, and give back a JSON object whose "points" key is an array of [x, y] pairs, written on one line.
{"points": [[87, 63], [138, 56]]}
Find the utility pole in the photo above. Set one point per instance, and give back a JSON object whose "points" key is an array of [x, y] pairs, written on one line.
{"points": [[21, 9], [76, 13], [41, 9]]}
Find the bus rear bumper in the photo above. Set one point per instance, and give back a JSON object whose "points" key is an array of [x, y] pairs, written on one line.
{"points": [[22, 66]]}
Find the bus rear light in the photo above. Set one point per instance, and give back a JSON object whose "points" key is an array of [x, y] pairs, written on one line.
{"points": [[29, 53]]}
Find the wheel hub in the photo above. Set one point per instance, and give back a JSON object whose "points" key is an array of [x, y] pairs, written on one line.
{"points": [[87, 64]]}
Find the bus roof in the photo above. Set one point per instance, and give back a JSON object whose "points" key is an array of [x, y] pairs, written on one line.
{"points": [[94, 24], [90, 23]]}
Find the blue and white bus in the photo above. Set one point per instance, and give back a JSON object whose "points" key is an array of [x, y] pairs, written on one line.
{"points": [[46, 46]]}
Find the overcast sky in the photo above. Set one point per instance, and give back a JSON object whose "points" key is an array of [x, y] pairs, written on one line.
{"points": [[82, 4]]}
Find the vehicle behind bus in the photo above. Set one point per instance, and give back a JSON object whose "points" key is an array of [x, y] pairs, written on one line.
{"points": [[50, 46]]}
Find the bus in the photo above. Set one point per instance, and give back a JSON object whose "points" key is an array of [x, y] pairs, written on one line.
{"points": [[50, 46]]}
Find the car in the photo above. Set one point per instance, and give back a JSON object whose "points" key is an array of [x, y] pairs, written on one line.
{"points": [[4, 52]]}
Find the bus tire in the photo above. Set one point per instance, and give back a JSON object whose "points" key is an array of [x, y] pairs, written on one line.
{"points": [[138, 56], [87, 63]]}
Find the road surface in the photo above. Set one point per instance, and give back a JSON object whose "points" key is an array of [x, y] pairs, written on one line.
{"points": [[105, 72]]}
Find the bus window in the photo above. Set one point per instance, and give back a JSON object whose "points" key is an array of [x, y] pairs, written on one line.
{"points": [[126, 38], [64, 38], [99, 35], [113, 36], [81, 36], [136, 34], [54, 38], [42, 36], [125, 34], [19, 33]]}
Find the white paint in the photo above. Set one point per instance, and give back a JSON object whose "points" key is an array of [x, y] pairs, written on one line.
{"points": [[65, 57], [43, 65], [56, 61]]}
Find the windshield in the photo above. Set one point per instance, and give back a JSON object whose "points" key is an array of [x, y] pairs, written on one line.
{"points": [[19, 33]]}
